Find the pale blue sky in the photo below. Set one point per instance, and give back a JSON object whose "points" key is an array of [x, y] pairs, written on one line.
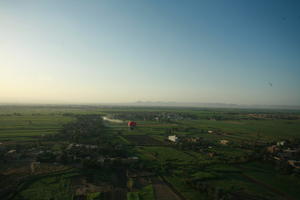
{"points": [[122, 51]]}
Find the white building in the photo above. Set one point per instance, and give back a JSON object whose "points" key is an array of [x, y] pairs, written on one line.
{"points": [[225, 142], [281, 143], [173, 138], [12, 151]]}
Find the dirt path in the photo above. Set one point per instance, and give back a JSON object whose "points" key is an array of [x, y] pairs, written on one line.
{"points": [[162, 191]]}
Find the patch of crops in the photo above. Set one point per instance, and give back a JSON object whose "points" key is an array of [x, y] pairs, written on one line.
{"points": [[142, 140]]}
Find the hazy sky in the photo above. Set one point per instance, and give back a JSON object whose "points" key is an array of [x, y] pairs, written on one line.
{"points": [[128, 50]]}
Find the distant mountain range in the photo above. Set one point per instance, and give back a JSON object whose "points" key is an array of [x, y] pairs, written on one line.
{"points": [[164, 104], [205, 105]]}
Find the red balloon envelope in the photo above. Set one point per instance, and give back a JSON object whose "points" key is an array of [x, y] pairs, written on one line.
{"points": [[131, 123]]}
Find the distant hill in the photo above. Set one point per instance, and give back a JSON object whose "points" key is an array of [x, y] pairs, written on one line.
{"points": [[205, 105]]}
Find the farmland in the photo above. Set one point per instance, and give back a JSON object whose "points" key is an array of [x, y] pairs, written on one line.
{"points": [[88, 152], [28, 127], [142, 140]]}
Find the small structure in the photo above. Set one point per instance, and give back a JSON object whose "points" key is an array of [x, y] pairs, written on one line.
{"points": [[224, 142], [131, 125], [12, 154], [294, 163], [276, 158], [281, 143], [12, 151], [173, 138], [81, 146], [70, 146], [133, 158], [211, 154], [210, 132], [272, 149], [34, 166]]}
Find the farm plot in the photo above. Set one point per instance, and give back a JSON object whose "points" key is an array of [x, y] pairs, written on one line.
{"points": [[163, 154], [162, 191], [29, 126], [264, 174], [267, 130], [143, 140]]}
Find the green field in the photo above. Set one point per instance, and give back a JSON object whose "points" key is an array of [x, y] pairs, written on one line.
{"points": [[266, 174], [27, 127], [163, 154], [249, 129]]}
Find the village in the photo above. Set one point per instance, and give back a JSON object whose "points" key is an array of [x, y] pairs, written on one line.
{"points": [[91, 145], [282, 153]]}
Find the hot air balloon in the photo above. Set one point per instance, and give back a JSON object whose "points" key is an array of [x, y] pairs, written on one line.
{"points": [[131, 124]]}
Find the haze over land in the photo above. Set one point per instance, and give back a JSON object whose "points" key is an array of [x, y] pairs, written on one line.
{"points": [[236, 52]]}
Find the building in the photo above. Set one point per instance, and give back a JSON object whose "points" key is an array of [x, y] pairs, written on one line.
{"points": [[294, 163], [281, 143], [272, 149], [12, 151], [224, 142], [173, 138]]}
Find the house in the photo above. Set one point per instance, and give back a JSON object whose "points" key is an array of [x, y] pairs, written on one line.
{"points": [[12, 151], [78, 146], [224, 142], [281, 143], [272, 149], [34, 166], [133, 158], [12, 154], [211, 154], [173, 138], [69, 146], [276, 158], [294, 163]]}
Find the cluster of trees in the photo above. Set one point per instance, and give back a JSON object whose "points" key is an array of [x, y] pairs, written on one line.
{"points": [[275, 116], [159, 116], [250, 116], [13, 114], [84, 127]]}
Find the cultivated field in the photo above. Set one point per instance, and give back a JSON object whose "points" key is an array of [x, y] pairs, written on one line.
{"points": [[28, 127]]}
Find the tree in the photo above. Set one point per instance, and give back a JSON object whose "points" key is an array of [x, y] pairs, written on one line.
{"points": [[130, 184]]}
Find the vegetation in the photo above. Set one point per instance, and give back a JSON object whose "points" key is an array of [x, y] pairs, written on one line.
{"points": [[71, 152]]}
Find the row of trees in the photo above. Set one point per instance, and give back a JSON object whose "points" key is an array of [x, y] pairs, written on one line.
{"points": [[159, 116]]}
